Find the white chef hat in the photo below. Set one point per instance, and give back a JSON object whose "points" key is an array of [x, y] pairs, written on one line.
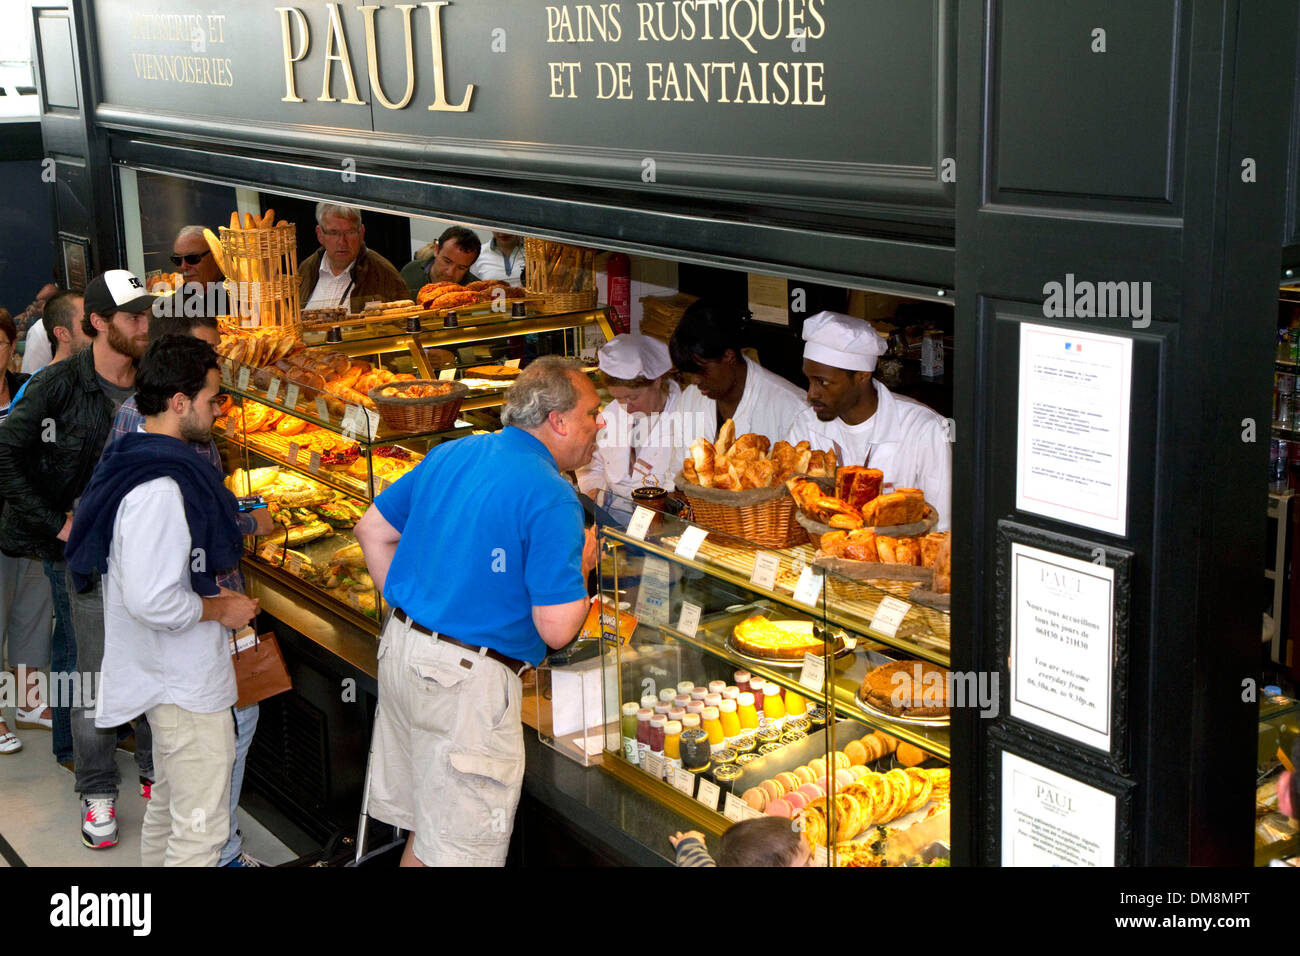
{"points": [[630, 355], [842, 341]]}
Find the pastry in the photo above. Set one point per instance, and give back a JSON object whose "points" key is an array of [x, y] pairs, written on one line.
{"points": [[856, 485], [781, 640], [805, 775], [755, 797], [910, 756], [856, 752], [912, 688], [931, 544], [780, 808], [501, 373]]}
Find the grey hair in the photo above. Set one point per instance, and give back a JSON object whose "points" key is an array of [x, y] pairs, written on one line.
{"points": [[545, 386], [188, 231], [350, 213]]}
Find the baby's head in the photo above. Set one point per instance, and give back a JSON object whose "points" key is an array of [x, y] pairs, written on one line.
{"points": [[766, 841]]}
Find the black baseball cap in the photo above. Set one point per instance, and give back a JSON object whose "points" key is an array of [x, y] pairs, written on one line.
{"points": [[117, 290]]}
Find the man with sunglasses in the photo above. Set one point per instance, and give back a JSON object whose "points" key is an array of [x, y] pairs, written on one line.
{"points": [[343, 271], [193, 259]]}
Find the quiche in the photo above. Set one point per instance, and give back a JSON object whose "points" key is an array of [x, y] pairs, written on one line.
{"points": [[778, 640]]}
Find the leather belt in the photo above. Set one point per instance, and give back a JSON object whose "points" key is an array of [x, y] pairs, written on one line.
{"points": [[517, 667]]}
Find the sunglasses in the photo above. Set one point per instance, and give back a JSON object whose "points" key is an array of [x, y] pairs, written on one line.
{"points": [[190, 258]]}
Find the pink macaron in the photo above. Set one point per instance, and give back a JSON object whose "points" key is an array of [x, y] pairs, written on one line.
{"points": [[824, 783], [812, 792], [780, 808], [843, 778], [797, 800]]}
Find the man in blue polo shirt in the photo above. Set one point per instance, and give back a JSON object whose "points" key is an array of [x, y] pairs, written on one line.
{"points": [[481, 553]]}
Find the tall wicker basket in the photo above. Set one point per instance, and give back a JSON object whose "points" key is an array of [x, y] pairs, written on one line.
{"points": [[262, 275], [564, 276]]}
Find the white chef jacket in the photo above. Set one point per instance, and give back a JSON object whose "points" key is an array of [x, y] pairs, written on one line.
{"points": [[661, 441], [156, 650], [769, 406], [906, 440]]}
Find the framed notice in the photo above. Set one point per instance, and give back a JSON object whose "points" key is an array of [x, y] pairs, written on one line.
{"points": [[1063, 609], [1072, 445], [76, 261]]}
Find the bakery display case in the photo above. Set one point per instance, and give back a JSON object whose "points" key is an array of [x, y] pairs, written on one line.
{"points": [[743, 681], [305, 427], [1276, 836]]}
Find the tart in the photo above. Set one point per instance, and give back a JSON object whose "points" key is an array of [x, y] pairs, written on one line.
{"points": [[907, 688], [501, 373], [777, 640]]}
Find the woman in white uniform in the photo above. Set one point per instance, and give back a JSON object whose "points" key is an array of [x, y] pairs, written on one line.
{"points": [[643, 442], [865, 422], [723, 383]]}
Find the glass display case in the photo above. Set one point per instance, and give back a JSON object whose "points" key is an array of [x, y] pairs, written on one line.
{"points": [[788, 669], [1276, 836], [317, 450]]}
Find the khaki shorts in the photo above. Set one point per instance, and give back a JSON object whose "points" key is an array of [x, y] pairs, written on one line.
{"points": [[447, 755]]}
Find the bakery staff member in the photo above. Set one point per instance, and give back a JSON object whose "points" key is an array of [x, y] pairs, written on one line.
{"points": [[723, 383], [643, 442], [865, 422]]}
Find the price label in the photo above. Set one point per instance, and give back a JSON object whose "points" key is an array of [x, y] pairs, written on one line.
{"points": [[512, 363], [293, 452], [688, 545], [354, 420], [889, 615], [640, 523], [708, 793], [749, 813], [684, 781], [819, 855], [809, 589], [313, 463], [273, 390], [322, 410], [447, 374], [243, 377], [813, 675], [766, 564], [689, 621], [733, 808], [654, 764], [270, 554], [293, 563], [231, 424], [291, 394], [226, 374]]}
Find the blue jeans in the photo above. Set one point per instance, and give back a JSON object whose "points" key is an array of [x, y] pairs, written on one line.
{"points": [[245, 727], [63, 658]]}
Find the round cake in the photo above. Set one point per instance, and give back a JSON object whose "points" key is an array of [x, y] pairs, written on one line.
{"points": [[777, 640], [908, 689], [501, 373]]}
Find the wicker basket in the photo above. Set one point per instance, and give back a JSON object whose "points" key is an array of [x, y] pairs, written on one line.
{"points": [[418, 414], [767, 517], [567, 301], [563, 276], [262, 274]]}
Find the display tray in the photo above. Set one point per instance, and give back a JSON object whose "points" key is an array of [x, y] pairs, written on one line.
{"points": [[924, 526], [731, 647], [914, 721]]}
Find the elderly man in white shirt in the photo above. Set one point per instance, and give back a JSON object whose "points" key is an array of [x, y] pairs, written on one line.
{"points": [[865, 422]]}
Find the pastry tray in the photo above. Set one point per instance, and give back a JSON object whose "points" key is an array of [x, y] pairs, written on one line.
{"points": [[730, 644], [914, 721]]}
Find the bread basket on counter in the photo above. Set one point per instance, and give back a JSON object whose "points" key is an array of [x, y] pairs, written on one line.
{"points": [[761, 516], [401, 413]]}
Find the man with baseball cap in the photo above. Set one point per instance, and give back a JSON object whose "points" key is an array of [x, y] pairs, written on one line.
{"points": [[49, 446], [865, 422]]}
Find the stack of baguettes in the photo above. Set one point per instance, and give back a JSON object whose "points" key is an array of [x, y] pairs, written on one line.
{"points": [[750, 461]]}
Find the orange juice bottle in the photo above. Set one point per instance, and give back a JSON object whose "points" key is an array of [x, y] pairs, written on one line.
{"points": [[730, 721], [672, 747], [795, 705], [773, 706], [746, 711], [713, 727]]}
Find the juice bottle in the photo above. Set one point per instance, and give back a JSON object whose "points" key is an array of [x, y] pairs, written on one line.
{"points": [[713, 726], [657, 734], [716, 686], [627, 724], [672, 747], [730, 721], [747, 712], [731, 692], [643, 716], [684, 687], [795, 705], [773, 706]]}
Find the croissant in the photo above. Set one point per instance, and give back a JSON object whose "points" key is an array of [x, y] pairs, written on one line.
{"points": [[703, 458], [726, 435]]}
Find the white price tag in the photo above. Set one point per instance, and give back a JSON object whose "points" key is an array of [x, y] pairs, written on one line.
{"points": [[766, 564], [322, 410], [684, 781], [640, 523], [689, 543], [653, 594], [293, 452], [291, 394], [313, 463], [447, 374], [819, 855], [733, 808], [354, 421], [293, 563], [243, 377], [708, 793], [813, 675], [273, 390], [512, 363], [749, 813], [243, 639], [889, 615], [653, 764], [809, 589], [689, 621]]}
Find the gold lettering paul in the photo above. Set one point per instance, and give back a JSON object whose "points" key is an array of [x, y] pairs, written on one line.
{"points": [[295, 34]]}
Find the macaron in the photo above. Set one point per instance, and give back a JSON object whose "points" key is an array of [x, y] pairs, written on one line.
{"points": [[856, 753], [756, 797], [780, 808], [859, 771], [840, 760], [818, 767], [796, 800], [843, 778], [773, 789], [788, 780], [825, 784], [805, 774], [812, 792]]}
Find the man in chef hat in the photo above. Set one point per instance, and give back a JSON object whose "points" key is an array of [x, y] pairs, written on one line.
{"points": [[644, 440], [865, 422]]}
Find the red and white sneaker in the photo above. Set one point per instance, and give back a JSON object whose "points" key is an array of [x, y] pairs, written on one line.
{"points": [[146, 787], [99, 822]]}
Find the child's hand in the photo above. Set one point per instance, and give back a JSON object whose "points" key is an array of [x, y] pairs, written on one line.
{"points": [[679, 836]]}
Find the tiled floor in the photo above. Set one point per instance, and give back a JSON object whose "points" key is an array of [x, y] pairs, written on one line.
{"points": [[39, 812]]}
